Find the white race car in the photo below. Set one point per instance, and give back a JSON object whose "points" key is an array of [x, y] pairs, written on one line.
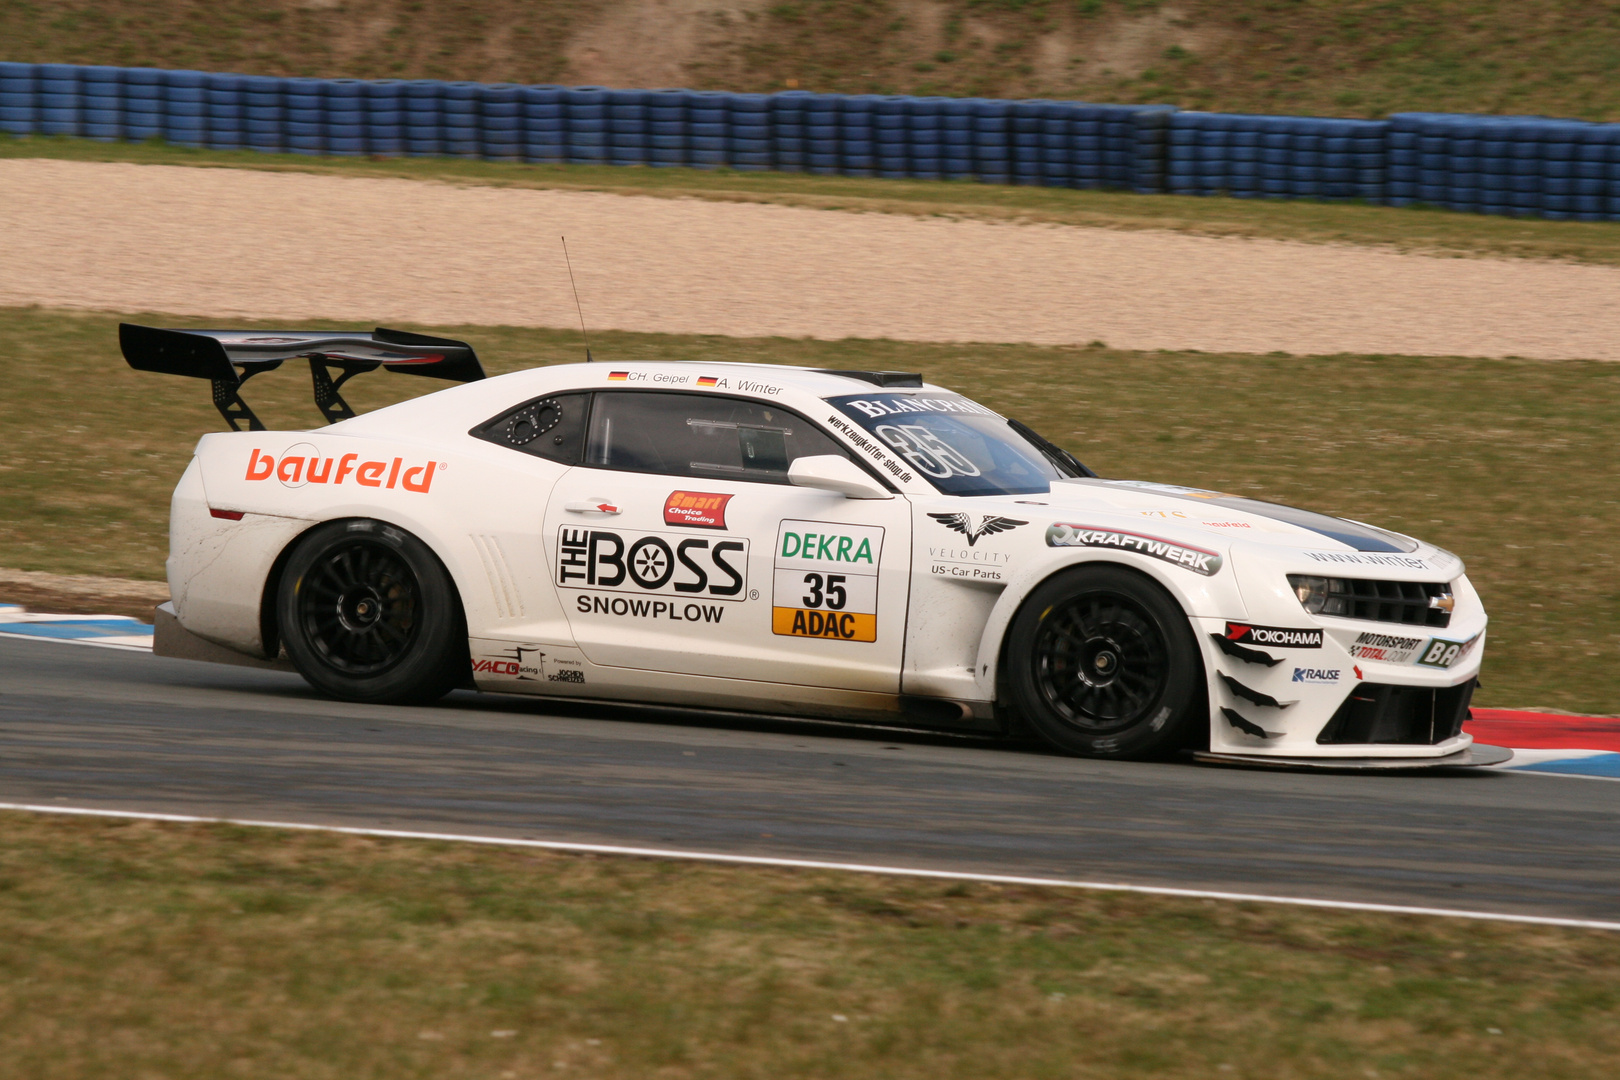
{"points": [[856, 544]]}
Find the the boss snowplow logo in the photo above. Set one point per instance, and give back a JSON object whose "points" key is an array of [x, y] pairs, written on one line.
{"points": [[1199, 561], [302, 464], [614, 561]]}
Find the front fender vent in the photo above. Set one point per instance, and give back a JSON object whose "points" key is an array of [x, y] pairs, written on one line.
{"points": [[1399, 715]]}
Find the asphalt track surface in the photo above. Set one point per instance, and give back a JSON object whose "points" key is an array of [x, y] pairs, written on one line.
{"points": [[108, 729]]}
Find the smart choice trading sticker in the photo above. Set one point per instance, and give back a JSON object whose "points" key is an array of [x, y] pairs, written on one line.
{"points": [[826, 580]]}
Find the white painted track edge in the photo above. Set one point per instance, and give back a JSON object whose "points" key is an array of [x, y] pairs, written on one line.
{"points": [[813, 864]]}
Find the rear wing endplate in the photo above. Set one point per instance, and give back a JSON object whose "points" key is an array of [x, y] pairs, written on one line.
{"points": [[216, 355]]}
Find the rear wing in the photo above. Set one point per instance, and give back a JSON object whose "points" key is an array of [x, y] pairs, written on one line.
{"points": [[216, 355]]}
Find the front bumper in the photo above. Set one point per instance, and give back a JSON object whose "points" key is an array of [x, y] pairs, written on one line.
{"points": [[1471, 755]]}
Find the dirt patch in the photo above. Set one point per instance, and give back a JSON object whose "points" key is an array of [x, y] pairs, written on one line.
{"points": [[1129, 45], [64, 594], [647, 43]]}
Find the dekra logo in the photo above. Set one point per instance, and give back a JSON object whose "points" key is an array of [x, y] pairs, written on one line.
{"points": [[830, 547]]}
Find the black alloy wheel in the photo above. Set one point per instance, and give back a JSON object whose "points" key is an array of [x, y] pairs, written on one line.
{"points": [[1102, 662], [368, 613]]}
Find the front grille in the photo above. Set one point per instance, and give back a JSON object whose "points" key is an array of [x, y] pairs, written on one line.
{"points": [[1410, 715], [1406, 602]]}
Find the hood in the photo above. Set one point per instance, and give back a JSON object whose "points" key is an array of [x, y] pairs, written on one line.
{"points": [[1232, 517]]}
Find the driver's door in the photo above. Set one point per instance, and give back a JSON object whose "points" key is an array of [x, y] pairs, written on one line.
{"points": [[678, 545]]}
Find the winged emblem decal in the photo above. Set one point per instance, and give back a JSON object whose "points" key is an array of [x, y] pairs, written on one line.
{"points": [[987, 526]]}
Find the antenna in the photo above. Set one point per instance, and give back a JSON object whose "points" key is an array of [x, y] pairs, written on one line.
{"points": [[577, 306]]}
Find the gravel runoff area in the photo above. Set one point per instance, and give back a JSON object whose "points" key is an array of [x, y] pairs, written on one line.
{"points": [[222, 242]]}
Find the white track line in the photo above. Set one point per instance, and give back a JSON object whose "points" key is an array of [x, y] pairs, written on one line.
{"points": [[811, 864]]}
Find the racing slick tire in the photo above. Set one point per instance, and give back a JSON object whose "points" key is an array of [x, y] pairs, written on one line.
{"points": [[1102, 662], [368, 613]]}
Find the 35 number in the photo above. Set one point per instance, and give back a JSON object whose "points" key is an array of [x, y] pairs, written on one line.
{"points": [[826, 590]]}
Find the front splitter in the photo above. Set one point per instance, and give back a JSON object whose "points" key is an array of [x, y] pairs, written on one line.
{"points": [[1467, 756]]}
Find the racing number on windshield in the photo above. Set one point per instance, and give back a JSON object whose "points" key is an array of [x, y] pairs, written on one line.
{"points": [[926, 451], [835, 597]]}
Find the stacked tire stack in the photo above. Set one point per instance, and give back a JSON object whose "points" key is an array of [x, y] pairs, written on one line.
{"points": [[1088, 147], [708, 126], [925, 146], [1353, 159], [500, 122], [821, 133], [262, 119], [385, 117], [103, 103], [992, 141], [627, 127], [225, 119], [143, 103], [1150, 147], [956, 138], [789, 142], [57, 99], [891, 140], [586, 110], [1057, 153], [666, 128], [460, 120], [304, 127], [750, 148], [545, 125], [1401, 158], [1561, 143], [1597, 173], [185, 108], [18, 115], [858, 135], [1028, 153], [345, 117], [423, 117]]}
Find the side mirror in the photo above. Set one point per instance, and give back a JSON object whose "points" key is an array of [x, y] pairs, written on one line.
{"points": [[829, 472]]}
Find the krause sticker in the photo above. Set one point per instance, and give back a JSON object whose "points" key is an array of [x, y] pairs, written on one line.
{"points": [[826, 580]]}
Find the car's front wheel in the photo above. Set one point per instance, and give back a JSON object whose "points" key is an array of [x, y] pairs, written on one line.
{"points": [[1102, 662], [368, 613]]}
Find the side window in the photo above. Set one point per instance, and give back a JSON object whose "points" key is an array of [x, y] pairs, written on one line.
{"points": [[551, 427], [699, 435]]}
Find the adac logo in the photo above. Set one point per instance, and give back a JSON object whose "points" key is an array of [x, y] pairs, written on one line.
{"points": [[696, 509], [302, 464], [988, 525]]}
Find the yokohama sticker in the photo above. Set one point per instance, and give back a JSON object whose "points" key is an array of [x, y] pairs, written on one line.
{"points": [[1275, 637], [1389, 648], [1199, 561], [696, 509]]}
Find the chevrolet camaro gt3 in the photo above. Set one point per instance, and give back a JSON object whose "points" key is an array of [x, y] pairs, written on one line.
{"points": [[838, 543]]}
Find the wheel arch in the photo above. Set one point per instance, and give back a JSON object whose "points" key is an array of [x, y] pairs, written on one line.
{"points": [[1195, 595], [269, 621]]}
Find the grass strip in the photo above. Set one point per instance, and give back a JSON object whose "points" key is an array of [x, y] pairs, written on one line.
{"points": [[1412, 229], [1507, 462], [138, 948]]}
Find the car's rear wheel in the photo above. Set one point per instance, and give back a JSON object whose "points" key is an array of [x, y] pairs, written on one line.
{"points": [[1102, 662], [368, 613]]}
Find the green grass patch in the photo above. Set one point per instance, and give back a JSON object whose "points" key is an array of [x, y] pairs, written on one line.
{"points": [[140, 949], [1507, 462], [1412, 229]]}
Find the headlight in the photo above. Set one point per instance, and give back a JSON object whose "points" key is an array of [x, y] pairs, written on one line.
{"points": [[1320, 595]]}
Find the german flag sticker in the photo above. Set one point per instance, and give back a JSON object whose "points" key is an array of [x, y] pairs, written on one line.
{"points": [[707, 380], [618, 376]]}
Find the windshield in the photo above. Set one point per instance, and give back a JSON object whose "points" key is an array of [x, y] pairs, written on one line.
{"points": [[961, 446]]}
